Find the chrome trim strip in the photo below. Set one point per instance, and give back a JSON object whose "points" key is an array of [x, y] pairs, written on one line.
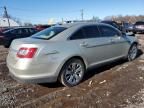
{"points": [[91, 46], [53, 52]]}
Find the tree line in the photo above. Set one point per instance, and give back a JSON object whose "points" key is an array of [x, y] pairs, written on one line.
{"points": [[127, 18]]}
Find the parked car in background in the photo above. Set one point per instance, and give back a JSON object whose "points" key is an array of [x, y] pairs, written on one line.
{"points": [[138, 27], [128, 27], [113, 23], [42, 27], [65, 52], [8, 36], [5, 29]]}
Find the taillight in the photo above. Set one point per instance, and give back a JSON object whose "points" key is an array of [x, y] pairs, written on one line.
{"points": [[26, 52]]}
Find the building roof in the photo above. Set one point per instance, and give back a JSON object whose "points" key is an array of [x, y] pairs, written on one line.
{"points": [[4, 22]]}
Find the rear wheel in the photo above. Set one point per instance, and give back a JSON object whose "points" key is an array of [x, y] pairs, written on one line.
{"points": [[7, 43], [7, 46], [132, 54], [72, 72]]}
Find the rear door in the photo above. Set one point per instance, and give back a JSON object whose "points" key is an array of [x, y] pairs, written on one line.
{"points": [[93, 47]]}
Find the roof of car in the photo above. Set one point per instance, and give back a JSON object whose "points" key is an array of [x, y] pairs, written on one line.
{"points": [[14, 28], [79, 24], [22, 27], [107, 21]]}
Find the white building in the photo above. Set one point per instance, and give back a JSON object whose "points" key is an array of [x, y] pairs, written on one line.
{"points": [[4, 22]]}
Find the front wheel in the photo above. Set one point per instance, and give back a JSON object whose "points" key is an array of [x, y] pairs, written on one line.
{"points": [[72, 72], [132, 54]]}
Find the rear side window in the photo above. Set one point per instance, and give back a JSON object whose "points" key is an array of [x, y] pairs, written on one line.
{"points": [[86, 32], [77, 35], [91, 31], [107, 31]]}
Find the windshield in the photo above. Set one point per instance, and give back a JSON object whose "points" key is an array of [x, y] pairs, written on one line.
{"points": [[48, 33]]}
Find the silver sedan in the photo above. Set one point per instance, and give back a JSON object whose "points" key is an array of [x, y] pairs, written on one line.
{"points": [[65, 52]]}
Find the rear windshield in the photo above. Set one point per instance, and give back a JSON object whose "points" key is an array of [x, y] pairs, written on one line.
{"points": [[48, 33], [139, 23]]}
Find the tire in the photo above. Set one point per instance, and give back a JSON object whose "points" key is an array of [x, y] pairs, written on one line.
{"points": [[7, 45], [72, 72], [132, 54]]}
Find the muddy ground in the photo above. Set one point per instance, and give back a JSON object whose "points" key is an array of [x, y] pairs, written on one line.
{"points": [[117, 85]]}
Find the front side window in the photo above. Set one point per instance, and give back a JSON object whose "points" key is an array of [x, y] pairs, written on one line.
{"points": [[107, 31], [48, 33], [91, 31]]}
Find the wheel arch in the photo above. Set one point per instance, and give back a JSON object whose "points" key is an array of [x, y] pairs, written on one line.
{"points": [[134, 43], [72, 57]]}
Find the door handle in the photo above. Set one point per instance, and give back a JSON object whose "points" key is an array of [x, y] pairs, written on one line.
{"points": [[84, 44], [112, 41], [52, 52], [117, 38]]}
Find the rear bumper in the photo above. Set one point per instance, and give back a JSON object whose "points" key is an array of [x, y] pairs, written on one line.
{"points": [[34, 80], [25, 71], [20, 76]]}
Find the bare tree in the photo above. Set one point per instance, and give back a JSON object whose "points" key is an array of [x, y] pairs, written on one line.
{"points": [[13, 18], [127, 18]]}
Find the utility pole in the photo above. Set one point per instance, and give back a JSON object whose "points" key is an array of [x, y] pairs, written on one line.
{"points": [[6, 13], [62, 20], [82, 14]]}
